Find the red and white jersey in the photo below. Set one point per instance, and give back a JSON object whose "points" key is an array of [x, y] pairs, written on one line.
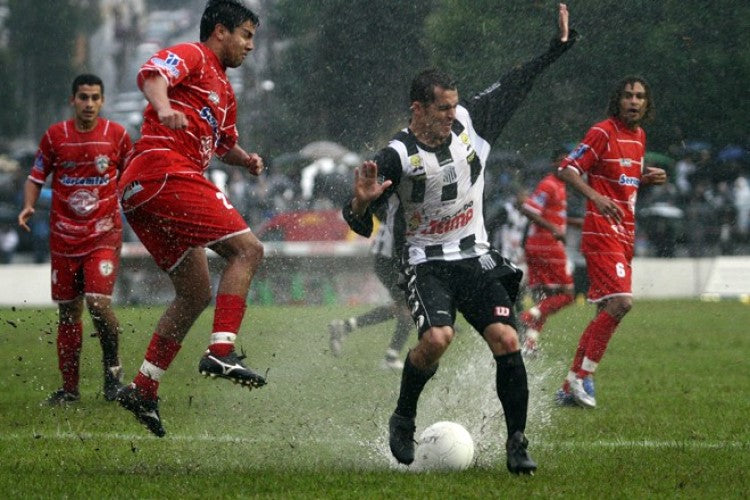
{"points": [[85, 213], [549, 201], [199, 88], [611, 155]]}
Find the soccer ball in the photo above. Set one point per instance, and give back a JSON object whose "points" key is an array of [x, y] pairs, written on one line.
{"points": [[444, 446]]}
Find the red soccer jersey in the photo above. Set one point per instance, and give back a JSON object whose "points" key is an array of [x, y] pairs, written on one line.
{"points": [[549, 201], [84, 215], [612, 156], [199, 88]]}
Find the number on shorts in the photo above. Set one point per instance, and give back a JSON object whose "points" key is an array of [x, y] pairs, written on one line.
{"points": [[620, 269]]}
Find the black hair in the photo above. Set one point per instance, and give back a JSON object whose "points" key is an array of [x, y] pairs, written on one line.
{"points": [[86, 79], [423, 85], [228, 13], [613, 108]]}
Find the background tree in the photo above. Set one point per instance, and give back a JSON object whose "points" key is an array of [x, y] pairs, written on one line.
{"points": [[47, 47]]}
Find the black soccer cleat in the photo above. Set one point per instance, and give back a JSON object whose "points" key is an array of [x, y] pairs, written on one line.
{"points": [[112, 382], [519, 460], [231, 368], [146, 411], [61, 397], [401, 438]]}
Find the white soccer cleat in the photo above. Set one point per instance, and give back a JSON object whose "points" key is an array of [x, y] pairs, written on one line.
{"points": [[580, 396]]}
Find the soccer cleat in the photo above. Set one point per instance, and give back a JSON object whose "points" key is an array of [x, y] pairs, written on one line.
{"points": [[519, 461], [112, 382], [231, 368], [337, 331], [564, 397], [581, 397], [146, 411], [530, 349], [401, 438], [391, 361], [62, 397]]}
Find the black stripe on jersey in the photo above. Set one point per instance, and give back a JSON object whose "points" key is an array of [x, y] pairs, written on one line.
{"points": [[408, 140], [467, 243], [445, 160], [457, 127], [418, 183], [474, 163], [431, 251]]}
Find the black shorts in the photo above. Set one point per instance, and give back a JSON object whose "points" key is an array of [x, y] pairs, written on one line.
{"points": [[388, 271], [484, 289]]}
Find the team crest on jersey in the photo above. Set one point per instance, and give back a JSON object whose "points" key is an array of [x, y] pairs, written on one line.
{"points": [[213, 97], [102, 163], [170, 63], [416, 163], [83, 201], [106, 267]]}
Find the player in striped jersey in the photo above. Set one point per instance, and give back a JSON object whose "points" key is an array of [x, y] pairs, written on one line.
{"points": [[611, 156], [176, 211], [386, 247], [84, 156], [549, 271], [436, 168]]}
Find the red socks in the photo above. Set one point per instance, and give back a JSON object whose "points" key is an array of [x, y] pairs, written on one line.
{"points": [[228, 315], [69, 340], [593, 344], [159, 355]]}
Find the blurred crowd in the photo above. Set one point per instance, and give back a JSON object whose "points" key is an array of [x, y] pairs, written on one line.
{"points": [[704, 209]]}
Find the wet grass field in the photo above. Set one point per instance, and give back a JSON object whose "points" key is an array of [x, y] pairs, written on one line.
{"points": [[673, 394]]}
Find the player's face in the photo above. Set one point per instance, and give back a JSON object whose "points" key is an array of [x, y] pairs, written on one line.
{"points": [[87, 102], [633, 104], [237, 44], [437, 117]]}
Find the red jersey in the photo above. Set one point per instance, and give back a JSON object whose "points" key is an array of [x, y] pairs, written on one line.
{"points": [[84, 215], [612, 156], [199, 88], [549, 201]]}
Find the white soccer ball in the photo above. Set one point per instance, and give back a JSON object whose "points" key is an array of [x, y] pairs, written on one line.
{"points": [[444, 446]]}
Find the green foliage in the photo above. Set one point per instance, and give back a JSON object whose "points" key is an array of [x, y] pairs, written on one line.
{"points": [[46, 41], [671, 421]]}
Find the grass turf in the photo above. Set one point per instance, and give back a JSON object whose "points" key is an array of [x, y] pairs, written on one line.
{"points": [[673, 394]]}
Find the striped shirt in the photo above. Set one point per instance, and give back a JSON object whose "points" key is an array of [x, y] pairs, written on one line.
{"points": [[199, 88], [611, 155], [84, 215]]}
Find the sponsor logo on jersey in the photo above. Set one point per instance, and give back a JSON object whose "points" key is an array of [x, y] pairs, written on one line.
{"points": [[578, 152], [449, 174], [104, 225], [207, 115], [66, 180], [213, 97], [414, 222], [624, 180], [464, 137], [451, 222], [69, 164], [626, 162], [170, 63], [416, 163], [83, 201], [102, 163]]}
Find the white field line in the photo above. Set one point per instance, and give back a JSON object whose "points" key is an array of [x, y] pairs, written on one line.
{"points": [[616, 444]]}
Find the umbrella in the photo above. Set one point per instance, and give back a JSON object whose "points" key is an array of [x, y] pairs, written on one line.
{"points": [[732, 153], [659, 159], [323, 149]]}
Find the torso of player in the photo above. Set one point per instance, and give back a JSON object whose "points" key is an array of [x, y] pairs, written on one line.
{"points": [[441, 192], [84, 165], [612, 156], [549, 201], [198, 87]]}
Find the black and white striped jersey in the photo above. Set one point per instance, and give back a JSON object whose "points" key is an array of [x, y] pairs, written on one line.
{"points": [[440, 190]]}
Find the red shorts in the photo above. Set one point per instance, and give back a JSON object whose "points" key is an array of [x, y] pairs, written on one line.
{"points": [[610, 274], [93, 273], [178, 212], [549, 269]]}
